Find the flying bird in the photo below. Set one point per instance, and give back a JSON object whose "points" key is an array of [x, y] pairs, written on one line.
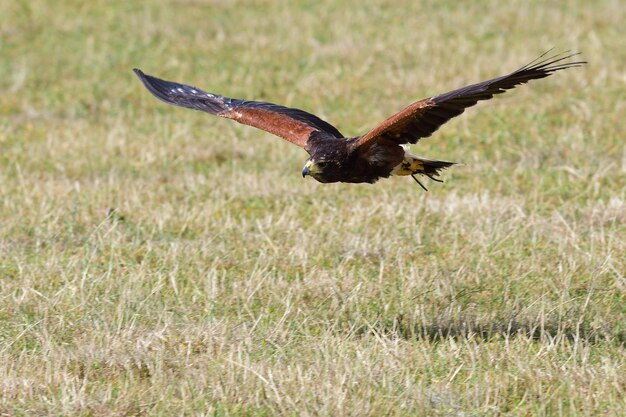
{"points": [[381, 152]]}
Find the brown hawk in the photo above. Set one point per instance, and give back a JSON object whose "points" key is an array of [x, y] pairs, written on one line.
{"points": [[379, 153]]}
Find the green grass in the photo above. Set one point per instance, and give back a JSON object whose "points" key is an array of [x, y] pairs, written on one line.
{"points": [[156, 261]]}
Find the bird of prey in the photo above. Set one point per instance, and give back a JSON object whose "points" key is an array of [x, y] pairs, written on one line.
{"points": [[381, 152]]}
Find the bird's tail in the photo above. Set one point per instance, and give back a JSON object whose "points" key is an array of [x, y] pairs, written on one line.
{"points": [[430, 167], [412, 165]]}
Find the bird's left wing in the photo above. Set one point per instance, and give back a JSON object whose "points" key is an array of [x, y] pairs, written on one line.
{"points": [[421, 119], [292, 124]]}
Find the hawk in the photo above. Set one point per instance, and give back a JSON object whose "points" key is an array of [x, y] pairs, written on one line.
{"points": [[381, 152]]}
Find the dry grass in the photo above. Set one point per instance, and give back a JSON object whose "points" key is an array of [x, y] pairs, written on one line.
{"points": [[155, 261]]}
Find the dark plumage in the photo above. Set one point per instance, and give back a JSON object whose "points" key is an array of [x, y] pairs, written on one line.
{"points": [[378, 153]]}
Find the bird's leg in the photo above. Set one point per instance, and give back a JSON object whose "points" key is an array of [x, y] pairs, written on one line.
{"points": [[418, 181], [433, 178]]}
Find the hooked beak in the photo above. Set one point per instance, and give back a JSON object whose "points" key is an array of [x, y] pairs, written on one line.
{"points": [[307, 169]]}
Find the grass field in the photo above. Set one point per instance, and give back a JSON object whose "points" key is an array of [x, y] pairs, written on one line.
{"points": [[156, 261]]}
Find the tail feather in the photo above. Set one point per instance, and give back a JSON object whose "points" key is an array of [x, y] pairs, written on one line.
{"points": [[412, 165], [427, 167], [431, 167]]}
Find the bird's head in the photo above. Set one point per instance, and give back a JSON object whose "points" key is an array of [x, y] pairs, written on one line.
{"points": [[328, 159], [321, 169]]}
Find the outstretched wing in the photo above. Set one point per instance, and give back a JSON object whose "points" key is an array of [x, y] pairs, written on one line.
{"points": [[292, 124], [422, 118]]}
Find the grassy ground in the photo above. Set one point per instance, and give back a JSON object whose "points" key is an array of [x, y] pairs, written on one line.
{"points": [[155, 261]]}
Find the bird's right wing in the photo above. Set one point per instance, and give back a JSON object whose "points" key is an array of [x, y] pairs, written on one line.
{"points": [[421, 119], [292, 124]]}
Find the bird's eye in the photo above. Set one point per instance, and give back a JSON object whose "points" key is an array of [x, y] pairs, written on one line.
{"points": [[321, 164]]}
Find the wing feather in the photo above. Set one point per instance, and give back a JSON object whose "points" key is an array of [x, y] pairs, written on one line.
{"points": [[294, 125], [421, 119]]}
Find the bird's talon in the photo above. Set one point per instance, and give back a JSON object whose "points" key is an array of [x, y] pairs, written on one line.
{"points": [[418, 181], [433, 178]]}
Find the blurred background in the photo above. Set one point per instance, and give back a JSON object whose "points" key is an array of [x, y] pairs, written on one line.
{"points": [[161, 261]]}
